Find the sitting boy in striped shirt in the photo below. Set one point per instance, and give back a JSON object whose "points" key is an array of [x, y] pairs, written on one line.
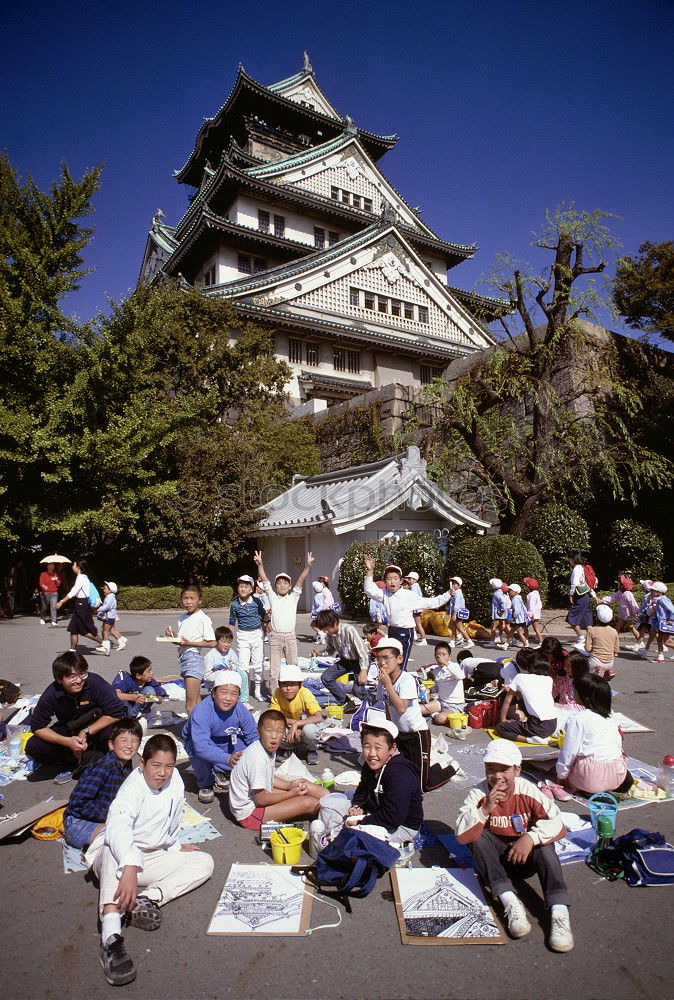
{"points": [[88, 806]]}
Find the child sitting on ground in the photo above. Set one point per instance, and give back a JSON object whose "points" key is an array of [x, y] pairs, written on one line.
{"points": [[482, 676], [449, 694], [223, 657], [135, 686], [139, 849], [216, 734], [247, 614], [372, 633], [592, 758], [352, 657], [533, 685], [195, 632], [564, 684], [256, 794], [301, 711], [107, 616], [499, 614], [90, 799], [534, 606], [602, 643], [510, 828]]}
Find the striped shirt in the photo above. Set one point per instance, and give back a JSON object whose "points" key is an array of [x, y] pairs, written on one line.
{"points": [[246, 615]]}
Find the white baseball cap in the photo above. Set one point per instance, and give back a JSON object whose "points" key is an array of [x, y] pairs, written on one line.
{"points": [[393, 569], [112, 587], [386, 643], [290, 673], [227, 677], [283, 576], [246, 579], [503, 752], [456, 579], [495, 583], [377, 720], [515, 587], [659, 587], [413, 575], [604, 614]]}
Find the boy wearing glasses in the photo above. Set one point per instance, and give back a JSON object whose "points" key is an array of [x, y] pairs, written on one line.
{"points": [[85, 707]]}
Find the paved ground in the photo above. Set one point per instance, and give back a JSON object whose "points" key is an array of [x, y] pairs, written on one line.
{"points": [[50, 944]]}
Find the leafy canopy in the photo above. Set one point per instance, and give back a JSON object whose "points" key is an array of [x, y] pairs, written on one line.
{"points": [[644, 289]]}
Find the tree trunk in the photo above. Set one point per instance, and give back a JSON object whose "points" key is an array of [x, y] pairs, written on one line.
{"points": [[516, 524]]}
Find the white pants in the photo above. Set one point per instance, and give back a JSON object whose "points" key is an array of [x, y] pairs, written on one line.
{"points": [[165, 875], [250, 647]]}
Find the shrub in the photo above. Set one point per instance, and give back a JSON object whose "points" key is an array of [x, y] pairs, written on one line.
{"points": [[419, 551], [557, 531], [636, 550], [167, 598], [478, 559], [352, 571]]}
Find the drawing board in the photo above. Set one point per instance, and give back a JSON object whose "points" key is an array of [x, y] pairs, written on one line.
{"points": [[438, 906], [12, 826], [262, 900]]}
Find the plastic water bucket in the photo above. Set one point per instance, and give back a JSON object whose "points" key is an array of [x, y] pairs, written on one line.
{"points": [[334, 711], [286, 845], [602, 804], [456, 720]]}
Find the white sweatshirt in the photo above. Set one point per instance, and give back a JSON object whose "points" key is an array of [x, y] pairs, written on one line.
{"points": [[400, 606], [589, 735]]}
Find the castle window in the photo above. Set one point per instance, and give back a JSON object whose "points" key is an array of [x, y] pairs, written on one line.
{"points": [[356, 201], [333, 238], [382, 304], [311, 348], [319, 237], [346, 197], [409, 310], [428, 373], [423, 314], [346, 361], [354, 297], [369, 300], [367, 204], [245, 264], [395, 307], [279, 225], [263, 221], [334, 193], [295, 351], [209, 277], [259, 265]]}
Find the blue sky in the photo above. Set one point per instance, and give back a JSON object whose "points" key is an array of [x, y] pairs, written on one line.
{"points": [[503, 109]]}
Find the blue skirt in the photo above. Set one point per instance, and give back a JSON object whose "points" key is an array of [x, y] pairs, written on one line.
{"points": [[580, 612]]}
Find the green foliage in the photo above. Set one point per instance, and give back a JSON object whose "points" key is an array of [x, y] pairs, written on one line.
{"points": [[636, 550], [417, 551], [355, 436], [478, 559], [644, 289], [557, 531], [167, 598]]}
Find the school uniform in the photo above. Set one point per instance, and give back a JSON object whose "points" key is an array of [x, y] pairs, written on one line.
{"points": [[499, 606], [400, 608], [534, 606], [107, 612], [628, 609], [82, 619], [519, 612], [254, 771], [580, 612], [663, 614], [592, 758]]}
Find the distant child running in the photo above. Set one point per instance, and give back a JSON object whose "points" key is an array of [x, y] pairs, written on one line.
{"points": [[519, 621], [662, 628], [283, 598], [628, 609], [135, 686], [247, 615], [195, 632], [107, 616]]}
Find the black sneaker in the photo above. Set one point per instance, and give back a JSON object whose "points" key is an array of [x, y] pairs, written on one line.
{"points": [[145, 914], [117, 965], [283, 754]]}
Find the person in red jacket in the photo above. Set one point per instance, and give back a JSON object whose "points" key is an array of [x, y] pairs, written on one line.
{"points": [[50, 581]]}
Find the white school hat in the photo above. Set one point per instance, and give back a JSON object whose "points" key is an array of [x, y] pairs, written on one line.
{"points": [[377, 720], [283, 576], [112, 587], [318, 586], [246, 579], [457, 580], [659, 587], [604, 614], [386, 643], [227, 677], [503, 752], [413, 575], [515, 587], [290, 673], [495, 583], [393, 569], [646, 584]]}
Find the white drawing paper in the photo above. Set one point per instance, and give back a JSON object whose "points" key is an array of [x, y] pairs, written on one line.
{"points": [[259, 899], [442, 902]]}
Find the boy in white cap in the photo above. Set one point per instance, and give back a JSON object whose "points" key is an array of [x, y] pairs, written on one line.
{"points": [[302, 712], [499, 613], [399, 604], [247, 614], [107, 616], [457, 606], [510, 827], [520, 619], [216, 734], [283, 598]]}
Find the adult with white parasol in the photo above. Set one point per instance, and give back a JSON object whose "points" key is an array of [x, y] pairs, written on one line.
{"points": [[49, 583]]}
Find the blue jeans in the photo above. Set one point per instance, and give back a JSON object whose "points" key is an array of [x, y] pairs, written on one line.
{"points": [[79, 832], [337, 689]]}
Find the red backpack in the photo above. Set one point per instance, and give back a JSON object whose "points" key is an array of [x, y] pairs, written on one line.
{"points": [[590, 577]]}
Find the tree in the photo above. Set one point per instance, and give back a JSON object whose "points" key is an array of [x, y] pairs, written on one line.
{"points": [[545, 411], [644, 289]]}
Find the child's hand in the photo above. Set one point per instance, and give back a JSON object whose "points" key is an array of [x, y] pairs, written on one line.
{"points": [[369, 565], [362, 677], [234, 758], [294, 734], [140, 699], [169, 631], [127, 888], [355, 811], [496, 795], [257, 558], [184, 641], [521, 849], [384, 678], [298, 785], [311, 559]]}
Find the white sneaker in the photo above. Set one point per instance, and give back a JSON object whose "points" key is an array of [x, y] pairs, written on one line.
{"points": [[660, 658], [42, 621], [460, 640], [635, 647], [468, 643], [501, 645], [422, 642], [451, 643], [561, 938], [121, 643], [54, 625], [517, 923]]}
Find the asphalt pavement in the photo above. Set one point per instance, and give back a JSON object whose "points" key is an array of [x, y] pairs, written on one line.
{"points": [[51, 946]]}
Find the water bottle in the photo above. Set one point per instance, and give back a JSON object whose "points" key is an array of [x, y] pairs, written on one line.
{"points": [[665, 776], [14, 734], [313, 661], [328, 779]]}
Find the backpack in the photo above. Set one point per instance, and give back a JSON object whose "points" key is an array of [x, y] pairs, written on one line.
{"points": [[590, 577], [94, 597], [351, 865], [640, 857]]}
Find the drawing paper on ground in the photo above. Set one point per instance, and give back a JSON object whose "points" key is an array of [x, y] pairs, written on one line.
{"points": [[443, 906], [262, 899]]}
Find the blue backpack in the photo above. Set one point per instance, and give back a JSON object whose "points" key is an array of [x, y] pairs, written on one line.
{"points": [[640, 857], [351, 865]]}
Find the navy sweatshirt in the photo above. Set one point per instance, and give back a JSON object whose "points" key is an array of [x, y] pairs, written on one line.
{"points": [[399, 801], [56, 701]]}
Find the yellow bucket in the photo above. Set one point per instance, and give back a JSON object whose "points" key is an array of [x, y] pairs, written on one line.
{"points": [[24, 739], [334, 711], [455, 720], [289, 850], [429, 685]]}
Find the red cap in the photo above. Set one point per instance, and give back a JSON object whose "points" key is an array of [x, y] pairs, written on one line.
{"points": [[504, 588], [531, 582], [625, 582]]}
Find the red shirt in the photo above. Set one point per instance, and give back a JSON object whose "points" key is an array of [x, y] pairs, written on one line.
{"points": [[49, 582]]}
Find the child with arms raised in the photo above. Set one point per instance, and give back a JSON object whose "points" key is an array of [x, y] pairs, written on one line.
{"points": [[256, 795], [283, 598], [195, 632], [139, 849], [510, 828]]}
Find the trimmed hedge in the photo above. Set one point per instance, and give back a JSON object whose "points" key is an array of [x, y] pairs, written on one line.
{"points": [[167, 598], [417, 551], [635, 549], [476, 560], [557, 531]]}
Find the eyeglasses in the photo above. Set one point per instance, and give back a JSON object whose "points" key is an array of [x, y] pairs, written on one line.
{"points": [[74, 678]]}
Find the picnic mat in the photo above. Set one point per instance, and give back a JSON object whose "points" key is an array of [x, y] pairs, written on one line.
{"points": [[638, 768], [552, 742], [194, 829]]}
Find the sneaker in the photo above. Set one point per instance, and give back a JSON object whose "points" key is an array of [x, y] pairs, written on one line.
{"points": [[488, 691], [422, 642], [118, 967], [99, 649], [63, 778], [660, 658], [501, 645], [558, 791], [460, 640], [517, 923], [635, 647], [121, 643], [561, 938], [452, 643], [54, 625], [313, 758], [145, 914], [42, 621], [538, 740], [221, 783], [206, 795]]}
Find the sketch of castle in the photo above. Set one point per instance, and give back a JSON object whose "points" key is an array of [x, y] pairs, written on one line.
{"points": [[447, 909], [256, 899]]}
